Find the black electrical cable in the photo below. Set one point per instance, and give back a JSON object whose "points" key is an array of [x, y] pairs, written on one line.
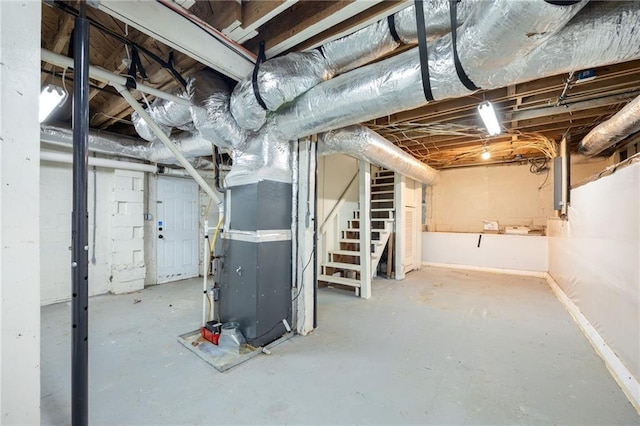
{"points": [[221, 40], [302, 274], [254, 76], [124, 40], [216, 160]]}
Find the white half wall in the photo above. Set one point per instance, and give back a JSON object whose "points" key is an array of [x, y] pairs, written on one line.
{"points": [[493, 251], [595, 258]]}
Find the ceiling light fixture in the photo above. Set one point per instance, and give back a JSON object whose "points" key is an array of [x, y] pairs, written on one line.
{"points": [[50, 98], [488, 115], [485, 154]]}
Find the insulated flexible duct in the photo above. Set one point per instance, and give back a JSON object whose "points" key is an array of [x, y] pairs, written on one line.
{"points": [[192, 145], [365, 144], [281, 80], [605, 33], [624, 123]]}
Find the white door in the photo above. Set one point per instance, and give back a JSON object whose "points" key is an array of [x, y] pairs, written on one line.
{"points": [[177, 229]]}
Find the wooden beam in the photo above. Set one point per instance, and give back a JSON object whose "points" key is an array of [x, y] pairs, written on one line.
{"points": [[351, 25], [553, 110], [256, 13], [181, 32], [59, 42], [304, 20], [223, 14]]}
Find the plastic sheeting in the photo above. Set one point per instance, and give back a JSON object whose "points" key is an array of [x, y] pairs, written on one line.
{"points": [[624, 123], [607, 32], [594, 259], [365, 144]]}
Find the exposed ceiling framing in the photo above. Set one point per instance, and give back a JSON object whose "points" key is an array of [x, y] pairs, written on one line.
{"points": [[224, 35]]}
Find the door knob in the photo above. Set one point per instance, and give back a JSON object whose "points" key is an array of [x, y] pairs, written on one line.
{"points": [[160, 236]]}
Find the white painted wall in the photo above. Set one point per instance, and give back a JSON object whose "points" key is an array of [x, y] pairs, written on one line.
{"points": [[595, 258], [119, 253], [511, 194], [496, 251], [55, 231], [19, 210]]}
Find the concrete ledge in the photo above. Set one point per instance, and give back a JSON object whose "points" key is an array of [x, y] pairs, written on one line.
{"points": [[618, 370]]}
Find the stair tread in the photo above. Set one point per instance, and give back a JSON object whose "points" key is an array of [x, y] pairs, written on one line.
{"points": [[339, 280], [378, 219], [382, 184], [358, 230], [342, 265], [387, 209], [381, 192], [349, 240], [345, 252]]}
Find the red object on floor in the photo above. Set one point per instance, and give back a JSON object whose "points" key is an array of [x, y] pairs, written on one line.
{"points": [[210, 335]]}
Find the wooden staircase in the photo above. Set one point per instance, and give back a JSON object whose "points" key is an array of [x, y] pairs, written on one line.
{"points": [[343, 266]]}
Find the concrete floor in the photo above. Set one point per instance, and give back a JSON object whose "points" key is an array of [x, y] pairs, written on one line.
{"points": [[440, 347]]}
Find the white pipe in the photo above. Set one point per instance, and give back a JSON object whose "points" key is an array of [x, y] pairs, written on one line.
{"points": [[108, 77], [170, 145], [205, 271], [61, 157]]}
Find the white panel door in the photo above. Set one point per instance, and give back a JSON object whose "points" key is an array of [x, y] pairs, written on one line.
{"points": [[408, 259], [177, 229]]}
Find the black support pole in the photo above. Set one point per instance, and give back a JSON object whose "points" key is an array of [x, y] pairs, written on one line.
{"points": [[315, 235], [80, 224]]}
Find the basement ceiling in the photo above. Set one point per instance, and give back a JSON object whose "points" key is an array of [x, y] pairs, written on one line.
{"points": [[445, 133]]}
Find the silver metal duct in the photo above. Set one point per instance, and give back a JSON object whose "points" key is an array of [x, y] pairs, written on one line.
{"points": [[365, 144], [281, 80], [605, 33], [263, 156], [624, 123]]}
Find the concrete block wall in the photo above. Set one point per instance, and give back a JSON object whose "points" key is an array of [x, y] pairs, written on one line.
{"points": [[510, 194], [119, 239], [127, 227]]}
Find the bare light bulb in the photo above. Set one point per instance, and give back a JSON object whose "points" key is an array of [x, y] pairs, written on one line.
{"points": [[485, 154]]}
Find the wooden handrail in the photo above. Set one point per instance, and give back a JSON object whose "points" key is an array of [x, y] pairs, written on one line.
{"points": [[336, 207]]}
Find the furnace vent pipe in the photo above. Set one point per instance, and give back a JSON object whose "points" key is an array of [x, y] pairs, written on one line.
{"points": [[624, 123], [280, 80], [365, 144], [605, 33]]}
